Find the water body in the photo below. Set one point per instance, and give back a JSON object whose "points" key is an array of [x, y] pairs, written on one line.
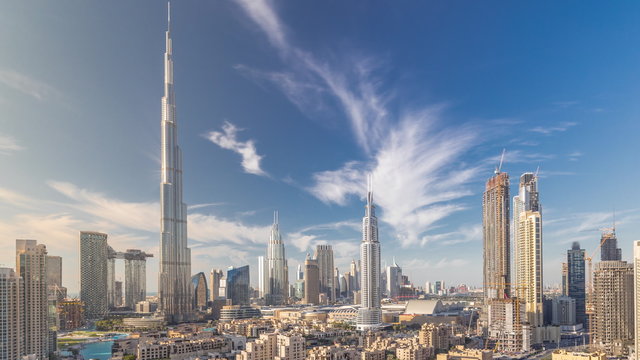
{"points": [[100, 350]]}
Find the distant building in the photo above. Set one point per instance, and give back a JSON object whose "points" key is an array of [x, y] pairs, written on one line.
{"points": [[117, 293], [506, 326], [276, 272], [238, 312], [311, 281], [613, 306], [563, 310], [565, 279], [636, 294], [414, 352], [31, 266], [324, 256], [54, 270], [576, 273], [11, 319], [93, 273], [495, 225], [135, 275], [215, 277], [394, 280], [274, 346], [609, 250], [460, 353], [238, 285], [262, 277], [71, 314], [200, 291], [566, 355]]}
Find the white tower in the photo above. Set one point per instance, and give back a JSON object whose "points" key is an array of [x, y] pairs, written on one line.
{"points": [[277, 287], [175, 257], [369, 314]]}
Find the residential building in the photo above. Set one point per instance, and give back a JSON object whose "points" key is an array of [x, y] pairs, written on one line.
{"points": [[93, 274], [496, 240], [31, 266], [414, 351], [311, 281], [324, 256], [460, 353], [636, 294], [135, 277], [574, 355], [11, 316]]}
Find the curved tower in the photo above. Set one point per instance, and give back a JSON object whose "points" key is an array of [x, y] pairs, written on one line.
{"points": [[175, 257], [369, 314], [277, 287]]}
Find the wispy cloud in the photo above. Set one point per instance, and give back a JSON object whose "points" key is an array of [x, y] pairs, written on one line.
{"points": [[414, 159], [574, 156], [548, 130], [27, 85], [9, 145], [227, 139]]}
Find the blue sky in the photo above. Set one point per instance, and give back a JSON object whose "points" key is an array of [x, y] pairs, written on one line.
{"points": [[288, 105]]}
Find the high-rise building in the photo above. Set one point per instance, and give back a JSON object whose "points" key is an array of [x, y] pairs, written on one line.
{"points": [[238, 285], [495, 226], [112, 299], [135, 277], [529, 264], [311, 281], [262, 277], [576, 281], [277, 271], [117, 293], [527, 199], [636, 294], [54, 270], [93, 273], [563, 310], [300, 273], [613, 305], [31, 266], [11, 316], [200, 291], [565, 279], [609, 250], [215, 277], [369, 314], [394, 279], [354, 270], [175, 257], [324, 255]]}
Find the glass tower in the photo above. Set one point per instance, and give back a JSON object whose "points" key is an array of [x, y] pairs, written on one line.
{"points": [[238, 285], [576, 280]]}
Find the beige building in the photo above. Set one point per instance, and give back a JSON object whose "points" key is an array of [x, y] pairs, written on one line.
{"points": [[529, 266], [495, 227], [439, 336], [311, 281], [373, 354], [460, 353], [613, 322], [335, 352], [414, 352], [274, 346], [11, 289], [636, 293], [506, 329], [180, 348], [31, 265], [565, 355]]}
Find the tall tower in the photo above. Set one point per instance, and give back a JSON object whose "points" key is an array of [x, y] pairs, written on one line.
{"points": [[609, 251], [11, 318], [94, 272], [135, 270], [277, 271], [576, 275], [324, 255], [31, 266], [495, 227], [369, 314], [214, 280], [175, 257], [311, 281], [528, 249]]}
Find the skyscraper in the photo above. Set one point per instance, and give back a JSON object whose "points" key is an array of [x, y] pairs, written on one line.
{"points": [[238, 285], [609, 251], [215, 277], [135, 277], [311, 281], [300, 273], [262, 277], [31, 266], [565, 279], [495, 226], [394, 278], [324, 255], [200, 291], [93, 273], [369, 314], [54, 270], [636, 294], [175, 257], [277, 271], [576, 281], [11, 316], [528, 249], [613, 305], [355, 275]]}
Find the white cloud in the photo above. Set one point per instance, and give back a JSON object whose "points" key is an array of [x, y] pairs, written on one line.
{"points": [[27, 85], [9, 145], [247, 149], [548, 130]]}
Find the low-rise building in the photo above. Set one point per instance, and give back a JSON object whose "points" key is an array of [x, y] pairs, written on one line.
{"points": [[414, 352], [567, 355], [460, 353], [335, 352]]}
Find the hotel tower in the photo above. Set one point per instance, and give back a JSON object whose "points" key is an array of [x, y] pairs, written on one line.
{"points": [[175, 257]]}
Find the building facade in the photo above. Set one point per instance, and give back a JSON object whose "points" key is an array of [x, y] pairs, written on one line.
{"points": [[324, 255], [495, 227], [11, 317], [311, 281], [369, 314], [576, 275], [31, 266], [93, 273], [174, 274], [238, 281]]}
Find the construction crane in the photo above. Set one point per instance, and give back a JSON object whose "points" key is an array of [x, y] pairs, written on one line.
{"points": [[499, 168]]}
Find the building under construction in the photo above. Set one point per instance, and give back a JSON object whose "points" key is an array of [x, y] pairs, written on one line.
{"points": [[507, 333]]}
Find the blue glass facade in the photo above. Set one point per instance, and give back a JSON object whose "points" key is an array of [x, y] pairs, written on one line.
{"points": [[238, 285]]}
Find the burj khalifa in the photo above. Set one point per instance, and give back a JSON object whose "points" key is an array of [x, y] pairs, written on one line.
{"points": [[175, 303]]}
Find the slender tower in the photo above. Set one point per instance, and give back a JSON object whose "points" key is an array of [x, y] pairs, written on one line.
{"points": [[277, 286], [175, 256], [495, 227], [369, 314]]}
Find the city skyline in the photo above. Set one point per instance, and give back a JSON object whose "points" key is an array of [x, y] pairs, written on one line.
{"points": [[429, 220]]}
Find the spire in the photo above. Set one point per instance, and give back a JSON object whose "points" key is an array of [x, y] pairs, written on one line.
{"points": [[168, 15], [369, 189]]}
